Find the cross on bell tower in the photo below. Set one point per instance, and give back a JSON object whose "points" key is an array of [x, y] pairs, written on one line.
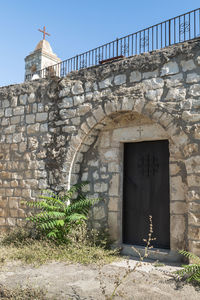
{"points": [[44, 32]]}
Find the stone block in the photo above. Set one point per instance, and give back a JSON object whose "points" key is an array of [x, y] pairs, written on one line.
{"points": [[113, 204], [111, 154], [64, 92], [113, 225], [67, 102], [19, 110], [180, 139], [174, 169], [176, 94], [139, 104], [193, 165], [44, 127], [194, 207], [11, 221], [170, 68], [5, 103], [2, 221], [105, 139], [174, 80], [192, 78], [67, 113], [178, 231], [40, 107], [135, 76], [120, 79], [3, 212], [193, 180], [127, 103], [5, 122], [23, 99], [31, 98], [197, 132], [146, 75], [177, 188], [98, 212], [14, 101], [14, 202], [91, 121], [5, 175], [68, 129], [106, 83], [190, 117], [110, 107], [194, 218], [193, 233], [178, 207], [114, 185], [188, 65], [41, 117], [100, 187], [13, 213], [30, 119], [32, 143], [79, 99], [113, 167], [88, 86], [15, 120], [195, 103], [154, 83], [99, 114], [194, 247], [89, 96], [154, 95], [10, 129], [8, 112], [83, 109], [194, 90], [190, 149], [77, 88], [9, 192]]}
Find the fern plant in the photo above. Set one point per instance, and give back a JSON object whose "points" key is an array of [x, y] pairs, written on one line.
{"points": [[192, 271], [56, 215]]}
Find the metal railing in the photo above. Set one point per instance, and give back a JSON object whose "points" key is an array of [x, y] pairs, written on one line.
{"points": [[176, 30]]}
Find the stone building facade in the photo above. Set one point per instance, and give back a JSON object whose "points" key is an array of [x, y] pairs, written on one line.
{"points": [[56, 132]]}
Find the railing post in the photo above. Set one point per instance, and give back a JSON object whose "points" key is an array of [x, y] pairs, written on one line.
{"points": [[117, 42], [169, 32], [76, 62]]}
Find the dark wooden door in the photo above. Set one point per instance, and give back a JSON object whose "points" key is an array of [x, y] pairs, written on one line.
{"points": [[146, 192]]}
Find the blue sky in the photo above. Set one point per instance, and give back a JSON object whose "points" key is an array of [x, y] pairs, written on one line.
{"points": [[75, 26]]}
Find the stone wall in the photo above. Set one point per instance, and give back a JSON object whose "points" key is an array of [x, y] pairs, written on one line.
{"points": [[56, 132]]}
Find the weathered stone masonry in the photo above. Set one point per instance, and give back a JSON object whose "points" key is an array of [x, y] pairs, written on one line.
{"points": [[55, 132]]}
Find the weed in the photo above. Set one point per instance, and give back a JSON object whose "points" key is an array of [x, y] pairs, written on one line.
{"points": [[19, 245], [158, 264], [26, 293], [58, 215], [190, 272], [119, 280]]}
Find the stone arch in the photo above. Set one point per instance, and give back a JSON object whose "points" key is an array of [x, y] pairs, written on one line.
{"points": [[99, 116], [158, 119]]}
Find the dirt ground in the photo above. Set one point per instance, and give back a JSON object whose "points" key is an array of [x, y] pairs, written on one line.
{"points": [[75, 281]]}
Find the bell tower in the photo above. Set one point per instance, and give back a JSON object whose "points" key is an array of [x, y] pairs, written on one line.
{"points": [[42, 57]]}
